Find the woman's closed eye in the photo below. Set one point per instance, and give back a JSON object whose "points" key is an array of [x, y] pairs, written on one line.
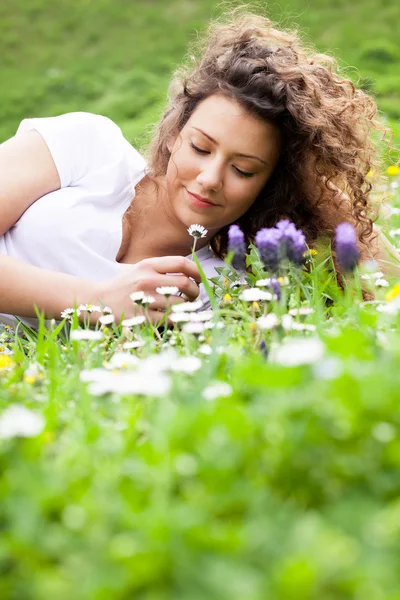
{"points": [[200, 151]]}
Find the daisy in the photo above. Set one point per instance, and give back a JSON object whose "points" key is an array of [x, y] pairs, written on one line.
{"points": [[195, 328], [197, 231], [254, 295], [167, 290], [106, 319], [90, 308], [19, 421], [69, 312], [303, 310], [133, 321], [187, 306], [218, 389], [134, 344], [297, 351]]}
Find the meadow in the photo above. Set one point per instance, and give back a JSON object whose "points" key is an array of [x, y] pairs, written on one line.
{"points": [[252, 452]]}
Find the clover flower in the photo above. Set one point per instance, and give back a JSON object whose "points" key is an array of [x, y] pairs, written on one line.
{"points": [[346, 246], [237, 244], [268, 243], [197, 231]]}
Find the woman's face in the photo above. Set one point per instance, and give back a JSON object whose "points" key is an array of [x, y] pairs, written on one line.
{"points": [[224, 155]]}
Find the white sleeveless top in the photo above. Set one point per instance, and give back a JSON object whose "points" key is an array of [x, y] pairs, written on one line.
{"points": [[78, 228]]}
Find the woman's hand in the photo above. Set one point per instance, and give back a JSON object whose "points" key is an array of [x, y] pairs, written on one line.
{"points": [[146, 276]]}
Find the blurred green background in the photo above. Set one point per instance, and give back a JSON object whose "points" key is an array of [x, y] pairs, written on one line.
{"points": [[115, 57]]}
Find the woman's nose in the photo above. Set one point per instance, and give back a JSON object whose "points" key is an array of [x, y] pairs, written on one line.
{"points": [[211, 176]]}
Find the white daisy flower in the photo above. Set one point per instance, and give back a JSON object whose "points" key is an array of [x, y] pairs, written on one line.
{"points": [[195, 328], [69, 312], [128, 383], [303, 326], [133, 321], [218, 389], [122, 360], [187, 306], [197, 231], [186, 364], [107, 310], [268, 322], [179, 317], [90, 308], [204, 315], [146, 300], [303, 310], [106, 319], [167, 290], [297, 351], [137, 296], [381, 282], [394, 232], [255, 294], [134, 344], [19, 421], [86, 334], [205, 349]]}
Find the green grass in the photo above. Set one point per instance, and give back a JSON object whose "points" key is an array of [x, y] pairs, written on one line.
{"points": [[288, 486], [116, 57]]}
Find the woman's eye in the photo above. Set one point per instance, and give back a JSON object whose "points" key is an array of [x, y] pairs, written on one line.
{"points": [[199, 150], [243, 173]]}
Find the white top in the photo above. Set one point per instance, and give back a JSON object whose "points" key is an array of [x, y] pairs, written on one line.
{"points": [[78, 228]]}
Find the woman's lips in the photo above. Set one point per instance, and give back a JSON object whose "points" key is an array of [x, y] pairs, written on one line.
{"points": [[202, 203]]}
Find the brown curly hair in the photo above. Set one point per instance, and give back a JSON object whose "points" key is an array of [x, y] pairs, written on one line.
{"points": [[325, 124]]}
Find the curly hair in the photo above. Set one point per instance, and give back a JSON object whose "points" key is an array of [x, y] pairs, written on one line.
{"points": [[324, 120]]}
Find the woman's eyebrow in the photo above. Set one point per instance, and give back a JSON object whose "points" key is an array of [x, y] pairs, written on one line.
{"points": [[238, 153]]}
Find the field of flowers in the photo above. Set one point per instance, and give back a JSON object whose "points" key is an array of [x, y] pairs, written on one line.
{"points": [[247, 451]]}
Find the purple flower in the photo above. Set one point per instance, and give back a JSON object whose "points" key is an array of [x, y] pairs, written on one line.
{"points": [[346, 246], [276, 287], [268, 243], [293, 242], [237, 244]]}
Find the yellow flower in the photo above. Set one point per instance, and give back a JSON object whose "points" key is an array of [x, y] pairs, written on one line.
{"points": [[313, 252], [6, 362], [255, 305], [105, 330], [29, 379], [393, 170], [227, 298], [370, 173], [391, 294], [253, 326]]}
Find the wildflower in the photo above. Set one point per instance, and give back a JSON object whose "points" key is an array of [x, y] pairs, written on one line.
{"points": [[204, 315], [217, 389], [346, 246], [205, 349], [264, 348], [195, 328], [268, 322], [227, 298], [18, 421], [86, 334], [381, 282], [276, 287], [394, 232], [69, 312], [90, 308], [6, 362], [237, 244], [122, 360], [292, 240], [127, 383], [393, 293], [254, 295], [133, 321], [303, 310], [33, 372], [137, 297], [167, 290], [296, 352], [393, 170], [188, 306], [107, 319], [186, 364], [134, 344], [179, 317], [197, 231], [303, 326], [146, 300], [107, 310], [267, 241]]}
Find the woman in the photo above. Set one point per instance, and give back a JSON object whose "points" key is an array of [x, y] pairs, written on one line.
{"points": [[257, 130]]}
